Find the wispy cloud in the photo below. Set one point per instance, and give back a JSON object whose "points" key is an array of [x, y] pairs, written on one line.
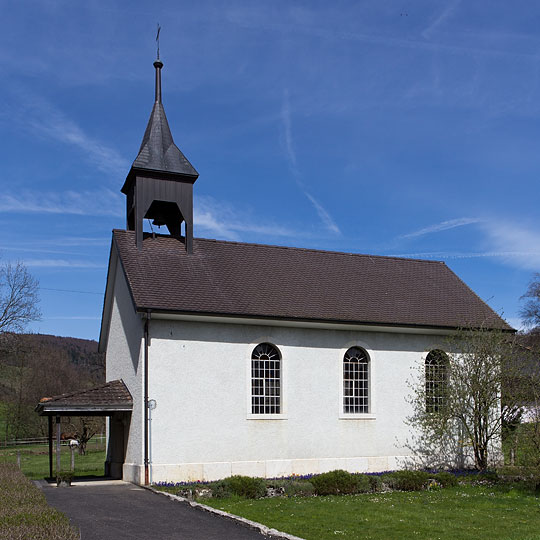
{"points": [[68, 318], [327, 220], [443, 226], [205, 219], [37, 249], [290, 153], [443, 255], [77, 241], [447, 12], [512, 244], [103, 202], [56, 246], [41, 118], [221, 220], [60, 263], [264, 21], [287, 132], [519, 245]]}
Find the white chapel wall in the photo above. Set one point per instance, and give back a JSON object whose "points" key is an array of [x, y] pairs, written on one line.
{"points": [[125, 360], [201, 428]]}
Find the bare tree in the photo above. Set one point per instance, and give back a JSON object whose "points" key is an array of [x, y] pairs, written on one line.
{"points": [[84, 428], [18, 298], [473, 401], [531, 311], [18, 307]]}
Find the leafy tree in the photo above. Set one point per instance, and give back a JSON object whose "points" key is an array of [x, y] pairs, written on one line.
{"points": [[525, 436], [475, 398], [531, 311]]}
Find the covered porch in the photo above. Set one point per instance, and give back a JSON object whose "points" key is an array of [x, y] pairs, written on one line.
{"points": [[112, 400]]}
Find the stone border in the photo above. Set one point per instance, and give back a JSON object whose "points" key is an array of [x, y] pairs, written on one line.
{"points": [[267, 531]]}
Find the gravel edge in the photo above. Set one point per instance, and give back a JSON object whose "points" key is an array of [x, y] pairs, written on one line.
{"points": [[267, 531]]}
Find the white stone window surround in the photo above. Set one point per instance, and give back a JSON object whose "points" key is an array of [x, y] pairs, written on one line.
{"points": [[283, 390], [371, 386]]}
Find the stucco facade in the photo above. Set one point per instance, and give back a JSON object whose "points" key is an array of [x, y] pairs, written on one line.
{"points": [[199, 375]]}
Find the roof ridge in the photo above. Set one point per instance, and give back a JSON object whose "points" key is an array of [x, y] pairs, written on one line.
{"points": [[294, 248]]}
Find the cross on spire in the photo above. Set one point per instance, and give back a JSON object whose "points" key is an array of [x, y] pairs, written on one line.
{"points": [[157, 39]]}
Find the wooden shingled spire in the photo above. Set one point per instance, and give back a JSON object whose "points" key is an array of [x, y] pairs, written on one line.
{"points": [[159, 185]]}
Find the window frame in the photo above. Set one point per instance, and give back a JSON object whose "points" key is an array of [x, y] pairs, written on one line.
{"points": [[249, 389], [370, 415], [440, 365]]}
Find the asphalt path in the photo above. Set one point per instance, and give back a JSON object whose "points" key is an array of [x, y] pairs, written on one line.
{"points": [[118, 511]]}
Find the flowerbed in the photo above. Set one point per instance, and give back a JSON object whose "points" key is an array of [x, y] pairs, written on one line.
{"points": [[336, 482]]}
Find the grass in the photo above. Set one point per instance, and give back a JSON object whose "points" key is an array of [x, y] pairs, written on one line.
{"points": [[24, 512], [35, 460], [459, 513]]}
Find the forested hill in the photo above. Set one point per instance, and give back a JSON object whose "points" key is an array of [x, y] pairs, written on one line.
{"points": [[33, 366], [80, 352]]}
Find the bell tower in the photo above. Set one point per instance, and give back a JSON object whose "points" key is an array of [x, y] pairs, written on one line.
{"points": [[159, 185]]}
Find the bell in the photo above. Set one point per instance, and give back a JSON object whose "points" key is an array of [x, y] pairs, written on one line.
{"points": [[158, 215], [159, 221]]}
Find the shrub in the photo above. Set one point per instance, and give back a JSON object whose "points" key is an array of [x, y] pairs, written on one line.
{"points": [[340, 482], [296, 488], [64, 476], [408, 480], [490, 477], [221, 489], [365, 484], [245, 486], [375, 482], [446, 479]]}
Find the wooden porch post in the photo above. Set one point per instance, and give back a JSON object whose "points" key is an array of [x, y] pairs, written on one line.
{"points": [[58, 429], [50, 446]]}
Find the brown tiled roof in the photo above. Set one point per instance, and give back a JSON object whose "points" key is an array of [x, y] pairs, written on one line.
{"points": [[252, 280], [113, 395]]}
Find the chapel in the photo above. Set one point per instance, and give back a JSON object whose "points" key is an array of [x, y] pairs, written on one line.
{"points": [[228, 358]]}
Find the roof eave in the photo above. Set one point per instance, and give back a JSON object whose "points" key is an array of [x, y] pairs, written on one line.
{"points": [[46, 409], [160, 174], [156, 310]]}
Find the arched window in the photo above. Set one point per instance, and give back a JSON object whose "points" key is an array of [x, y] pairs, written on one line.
{"points": [[355, 381], [265, 380], [436, 376]]}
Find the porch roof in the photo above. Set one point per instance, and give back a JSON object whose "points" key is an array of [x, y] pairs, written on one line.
{"points": [[102, 400]]}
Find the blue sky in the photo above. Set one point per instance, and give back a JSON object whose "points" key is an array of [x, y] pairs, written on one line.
{"points": [[391, 128]]}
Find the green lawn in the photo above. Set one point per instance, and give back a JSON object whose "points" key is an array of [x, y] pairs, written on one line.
{"points": [[460, 513], [35, 460]]}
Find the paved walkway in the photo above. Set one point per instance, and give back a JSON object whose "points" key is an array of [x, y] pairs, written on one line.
{"points": [[118, 511]]}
